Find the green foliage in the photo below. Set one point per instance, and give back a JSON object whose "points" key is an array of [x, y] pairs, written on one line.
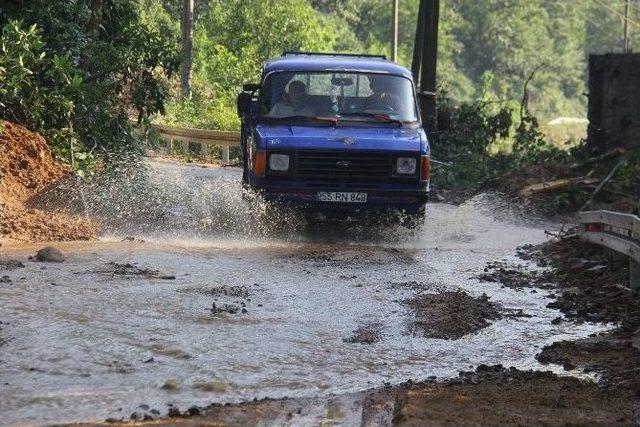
{"points": [[481, 144], [71, 70], [233, 38], [75, 70], [202, 112], [531, 147], [37, 89], [467, 145]]}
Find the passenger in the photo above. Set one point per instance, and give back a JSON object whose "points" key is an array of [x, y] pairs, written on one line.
{"points": [[382, 98], [296, 102]]}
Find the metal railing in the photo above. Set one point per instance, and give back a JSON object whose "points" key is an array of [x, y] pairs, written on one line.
{"points": [[204, 137], [617, 231]]}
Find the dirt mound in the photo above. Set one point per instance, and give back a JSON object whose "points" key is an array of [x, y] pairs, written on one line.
{"points": [[27, 168], [451, 315], [614, 359]]}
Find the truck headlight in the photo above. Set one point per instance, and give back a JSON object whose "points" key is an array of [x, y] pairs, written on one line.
{"points": [[406, 165], [279, 162]]}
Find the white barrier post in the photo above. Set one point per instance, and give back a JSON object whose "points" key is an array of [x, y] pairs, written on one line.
{"points": [[225, 154]]}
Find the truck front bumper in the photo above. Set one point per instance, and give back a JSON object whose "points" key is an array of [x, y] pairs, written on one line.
{"points": [[405, 200]]}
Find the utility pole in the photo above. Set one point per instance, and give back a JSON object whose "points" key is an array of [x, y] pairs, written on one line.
{"points": [[418, 43], [429, 62], [187, 48], [626, 27], [394, 32]]}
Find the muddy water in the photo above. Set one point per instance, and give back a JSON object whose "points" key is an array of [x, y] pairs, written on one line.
{"points": [[127, 323]]}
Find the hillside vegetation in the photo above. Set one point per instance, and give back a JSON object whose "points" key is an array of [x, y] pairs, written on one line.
{"points": [[77, 71]]}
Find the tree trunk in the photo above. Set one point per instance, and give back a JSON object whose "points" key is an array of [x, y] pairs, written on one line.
{"points": [[429, 62], [96, 17], [187, 48]]}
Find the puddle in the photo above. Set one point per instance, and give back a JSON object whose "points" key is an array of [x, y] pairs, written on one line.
{"points": [[98, 345]]}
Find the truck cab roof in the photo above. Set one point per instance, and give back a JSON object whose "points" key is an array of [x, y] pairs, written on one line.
{"points": [[301, 61]]}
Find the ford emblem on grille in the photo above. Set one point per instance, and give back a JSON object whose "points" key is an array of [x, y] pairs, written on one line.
{"points": [[343, 164], [348, 141]]}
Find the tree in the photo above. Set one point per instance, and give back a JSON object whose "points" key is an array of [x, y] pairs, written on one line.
{"points": [[187, 47], [98, 58]]}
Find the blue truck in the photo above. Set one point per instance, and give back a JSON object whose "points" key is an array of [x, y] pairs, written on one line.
{"points": [[335, 135]]}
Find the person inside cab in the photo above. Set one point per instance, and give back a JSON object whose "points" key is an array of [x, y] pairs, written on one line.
{"points": [[382, 97], [294, 103]]}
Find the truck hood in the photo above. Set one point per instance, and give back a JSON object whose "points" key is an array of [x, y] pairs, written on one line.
{"points": [[340, 138]]}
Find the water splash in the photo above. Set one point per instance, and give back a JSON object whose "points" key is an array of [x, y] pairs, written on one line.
{"points": [[161, 198], [172, 202]]}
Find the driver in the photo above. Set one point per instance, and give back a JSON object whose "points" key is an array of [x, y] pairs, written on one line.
{"points": [[294, 103], [382, 97]]}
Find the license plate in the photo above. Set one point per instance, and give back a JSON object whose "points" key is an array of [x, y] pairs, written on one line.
{"points": [[342, 197]]}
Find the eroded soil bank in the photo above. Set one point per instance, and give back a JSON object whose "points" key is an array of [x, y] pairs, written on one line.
{"points": [[28, 168]]}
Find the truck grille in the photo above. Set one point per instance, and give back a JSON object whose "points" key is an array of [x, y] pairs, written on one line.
{"points": [[343, 166]]}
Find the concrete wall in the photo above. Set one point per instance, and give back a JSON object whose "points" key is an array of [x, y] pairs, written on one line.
{"points": [[614, 102]]}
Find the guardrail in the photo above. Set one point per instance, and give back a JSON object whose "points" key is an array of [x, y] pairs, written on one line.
{"points": [[617, 231], [204, 137]]}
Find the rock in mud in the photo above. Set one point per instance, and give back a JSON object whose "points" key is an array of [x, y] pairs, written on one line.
{"points": [[174, 412], [133, 270], [366, 334], [5, 279], [194, 411], [451, 315], [227, 308], [49, 254], [170, 384], [10, 264]]}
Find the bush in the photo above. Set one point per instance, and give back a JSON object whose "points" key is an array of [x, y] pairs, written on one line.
{"points": [[202, 112], [482, 144], [74, 70], [467, 145]]}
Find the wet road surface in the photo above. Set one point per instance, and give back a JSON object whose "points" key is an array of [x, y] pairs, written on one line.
{"points": [[191, 316]]}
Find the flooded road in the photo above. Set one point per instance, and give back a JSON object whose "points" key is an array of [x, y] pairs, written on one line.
{"points": [[184, 314]]}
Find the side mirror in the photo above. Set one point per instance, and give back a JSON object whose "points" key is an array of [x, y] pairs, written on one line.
{"points": [[250, 87], [243, 103]]}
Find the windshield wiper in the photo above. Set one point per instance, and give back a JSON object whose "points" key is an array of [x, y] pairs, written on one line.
{"points": [[376, 116], [333, 120]]}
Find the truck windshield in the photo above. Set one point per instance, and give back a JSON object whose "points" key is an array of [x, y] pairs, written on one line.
{"points": [[353, 96]]}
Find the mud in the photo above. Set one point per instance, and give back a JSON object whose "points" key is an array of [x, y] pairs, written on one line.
{"points": [[588, 285], [10, 264], [593, 286], [131, 270], [369, 333], [27, 168], [498, 396], [102, 336], [615, 360], [489, 395], [451, 315], [516, 276]]}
